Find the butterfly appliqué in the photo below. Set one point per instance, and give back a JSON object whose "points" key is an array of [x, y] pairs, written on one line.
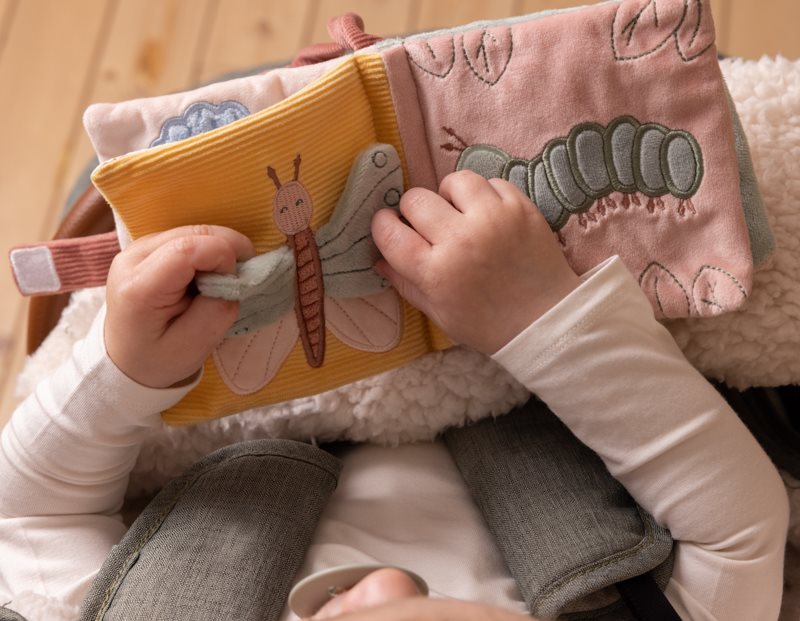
{"points": [[317, 281]]}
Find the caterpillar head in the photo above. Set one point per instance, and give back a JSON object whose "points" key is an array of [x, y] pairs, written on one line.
{"points": [[291, 207]]}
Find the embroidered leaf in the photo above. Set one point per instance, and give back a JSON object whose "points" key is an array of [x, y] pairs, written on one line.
{"points": [[488, 53], [716, 291], [667, 295], [434, 56], [696, 33], [641, 27], [372, 323]]}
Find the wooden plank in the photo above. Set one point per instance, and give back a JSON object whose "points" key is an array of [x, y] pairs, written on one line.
{"points": [[720, 9], [43, 81], [152, 49], [251, 33], [767, 27], [532, 6], [8, 9], [381, 17], [433, 15]]}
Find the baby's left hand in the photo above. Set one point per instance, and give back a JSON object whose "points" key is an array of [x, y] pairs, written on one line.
{"points": [[479, 258]]}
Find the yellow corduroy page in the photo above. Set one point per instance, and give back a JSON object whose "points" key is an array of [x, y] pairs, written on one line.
{"points": [[220, 178]]}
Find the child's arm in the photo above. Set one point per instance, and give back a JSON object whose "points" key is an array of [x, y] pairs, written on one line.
{"points": [[67, 451], [486, 267]]}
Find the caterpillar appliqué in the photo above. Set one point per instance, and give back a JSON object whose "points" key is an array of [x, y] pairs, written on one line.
{"points": [[573, 173]]}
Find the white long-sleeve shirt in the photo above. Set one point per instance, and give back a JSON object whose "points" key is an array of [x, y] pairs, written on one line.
{"points": [[598, 358]]}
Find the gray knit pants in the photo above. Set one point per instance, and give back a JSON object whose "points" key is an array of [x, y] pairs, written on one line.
{"points": [[225, 540]]}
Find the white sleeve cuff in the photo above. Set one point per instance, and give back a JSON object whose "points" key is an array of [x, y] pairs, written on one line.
{"points": [[121, 394]]}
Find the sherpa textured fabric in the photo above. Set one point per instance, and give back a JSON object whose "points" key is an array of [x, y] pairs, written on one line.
{"points": [[756, 346]]}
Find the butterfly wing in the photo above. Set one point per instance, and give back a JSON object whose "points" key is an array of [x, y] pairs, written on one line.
{"points": [[249, 362], [346, 249], [264, 285], [370, 323]]}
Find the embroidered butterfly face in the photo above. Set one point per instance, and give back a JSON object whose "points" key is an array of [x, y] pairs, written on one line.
{"points": [[292, 206], [326, 277]]}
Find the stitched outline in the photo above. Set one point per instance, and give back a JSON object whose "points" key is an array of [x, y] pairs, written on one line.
{"points": [[159, 520], [675, 278], [433, 54], [367, 237], [717, 269], [699, 20], [647, 540], [658, 297], [380, 311], [484, 33], [619, 58], [353, 271], [351, 320], [278, 331], [688, 59], [355, 212], [674, 34], [372, 347], [685, 58]]}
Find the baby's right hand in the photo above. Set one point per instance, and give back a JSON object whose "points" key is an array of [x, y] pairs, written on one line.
{"points": [[156, 331]]}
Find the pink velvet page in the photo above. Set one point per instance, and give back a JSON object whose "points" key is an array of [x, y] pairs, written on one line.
{"points": [[517, 87]]}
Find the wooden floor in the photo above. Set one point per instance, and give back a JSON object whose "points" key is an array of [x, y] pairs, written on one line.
{"points": [[58, 56]]}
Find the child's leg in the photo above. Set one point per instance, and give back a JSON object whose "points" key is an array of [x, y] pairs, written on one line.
{"points": [[223, 541], [566, 528]]}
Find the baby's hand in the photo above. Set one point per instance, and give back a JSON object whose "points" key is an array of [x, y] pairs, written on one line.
{"points": [[480, 260], [156, 331]]}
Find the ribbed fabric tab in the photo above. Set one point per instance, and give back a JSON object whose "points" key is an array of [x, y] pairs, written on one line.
{"points": [[64, 265]]}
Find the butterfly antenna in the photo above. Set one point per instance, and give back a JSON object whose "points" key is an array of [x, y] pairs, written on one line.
{"points": [[274, 176], [297, 167]]}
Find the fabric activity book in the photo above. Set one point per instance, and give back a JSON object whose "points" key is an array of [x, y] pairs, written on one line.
{"points": [[614, 119]]}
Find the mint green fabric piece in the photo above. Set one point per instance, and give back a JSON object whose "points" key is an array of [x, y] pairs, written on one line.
{"points": [[762, 241], [346, 249]]}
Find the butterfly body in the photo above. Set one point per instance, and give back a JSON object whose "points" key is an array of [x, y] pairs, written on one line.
{"points": [[291, 212], [309, 295]]}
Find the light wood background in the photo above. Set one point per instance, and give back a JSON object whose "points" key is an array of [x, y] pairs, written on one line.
{"points": [[57, 56]]}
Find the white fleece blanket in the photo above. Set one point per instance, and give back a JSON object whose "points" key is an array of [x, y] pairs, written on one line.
{"points": [[758, 346]]}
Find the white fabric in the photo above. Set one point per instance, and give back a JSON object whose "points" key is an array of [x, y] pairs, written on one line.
{"points": [[65, 458], [598, 358], [119, 128], [34, 270]]}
